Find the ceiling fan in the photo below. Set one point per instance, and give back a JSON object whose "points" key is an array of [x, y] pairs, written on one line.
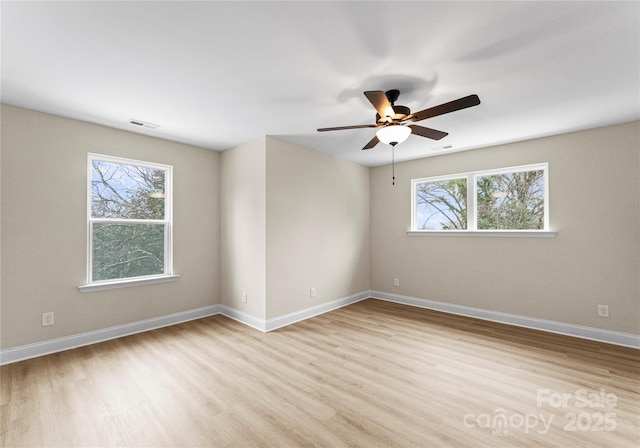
{"points": [[392, 120]]}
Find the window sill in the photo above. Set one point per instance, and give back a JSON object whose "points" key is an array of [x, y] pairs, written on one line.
{"points": [[101, 286], [486, 233]]}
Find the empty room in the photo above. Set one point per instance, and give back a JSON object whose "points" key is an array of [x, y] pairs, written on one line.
{"points": [[320, 224]]}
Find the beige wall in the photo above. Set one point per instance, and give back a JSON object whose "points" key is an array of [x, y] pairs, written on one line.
{"points": [[594, 259], [317, 228], [274, 219], [292, 219], [44, 169], [243, 222]]}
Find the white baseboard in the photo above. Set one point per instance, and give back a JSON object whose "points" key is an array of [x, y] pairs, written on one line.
{"points": [[243, 318], [23, 352], [288, 319], [594, 334]]}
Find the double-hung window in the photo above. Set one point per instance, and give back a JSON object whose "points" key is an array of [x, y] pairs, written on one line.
{"points": [[514, 199], [129, 221]]}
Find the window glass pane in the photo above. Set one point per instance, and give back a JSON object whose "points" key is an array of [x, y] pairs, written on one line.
{"points": [[126, 191], [127, 250], [441, 205], [511, 201]]}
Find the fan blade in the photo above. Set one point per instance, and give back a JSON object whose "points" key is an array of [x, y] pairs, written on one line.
{"points": [[373, 142], [433, 134], [379, 100], [341, 128], [451, 106]]}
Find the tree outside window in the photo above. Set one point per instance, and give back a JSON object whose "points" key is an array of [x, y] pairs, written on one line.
{"points": [[511, 201], [129, 219], [506, 199], [442, 204]]}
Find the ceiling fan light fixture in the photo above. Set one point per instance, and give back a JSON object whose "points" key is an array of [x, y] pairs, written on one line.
{"points": [[394, 134]]}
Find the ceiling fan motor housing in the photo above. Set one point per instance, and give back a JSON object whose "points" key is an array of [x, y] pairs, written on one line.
{"points": [[392, 95]]}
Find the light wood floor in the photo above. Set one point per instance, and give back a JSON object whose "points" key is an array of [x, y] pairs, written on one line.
{"points": [[370, 374]]}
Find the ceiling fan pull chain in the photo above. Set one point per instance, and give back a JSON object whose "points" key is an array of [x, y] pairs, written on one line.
{"points": [[393, 162]]}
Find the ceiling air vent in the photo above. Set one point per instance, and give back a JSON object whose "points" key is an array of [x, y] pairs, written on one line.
{"points": [[143, 124], [441, 148]]}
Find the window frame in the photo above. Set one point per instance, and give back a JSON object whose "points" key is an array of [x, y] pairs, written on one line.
{"points": [[167, 222], [472, 207]]}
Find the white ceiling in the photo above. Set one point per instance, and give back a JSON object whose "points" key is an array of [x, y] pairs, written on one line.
{"points": [[218, 74]]}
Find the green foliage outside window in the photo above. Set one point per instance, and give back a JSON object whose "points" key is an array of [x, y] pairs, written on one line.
{"points": [[124, 251], [511, 201]]}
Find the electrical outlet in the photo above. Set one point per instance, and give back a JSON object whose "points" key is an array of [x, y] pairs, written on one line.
{"points": [[312, 292], [244, 297], [603, 310], [47, 319], [396, 282]]}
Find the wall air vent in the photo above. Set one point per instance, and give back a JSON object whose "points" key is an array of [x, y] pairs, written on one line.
{"points": [[143, 124]]}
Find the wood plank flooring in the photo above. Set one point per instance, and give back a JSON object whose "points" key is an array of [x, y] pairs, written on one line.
{"points": [[373, 374]]}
